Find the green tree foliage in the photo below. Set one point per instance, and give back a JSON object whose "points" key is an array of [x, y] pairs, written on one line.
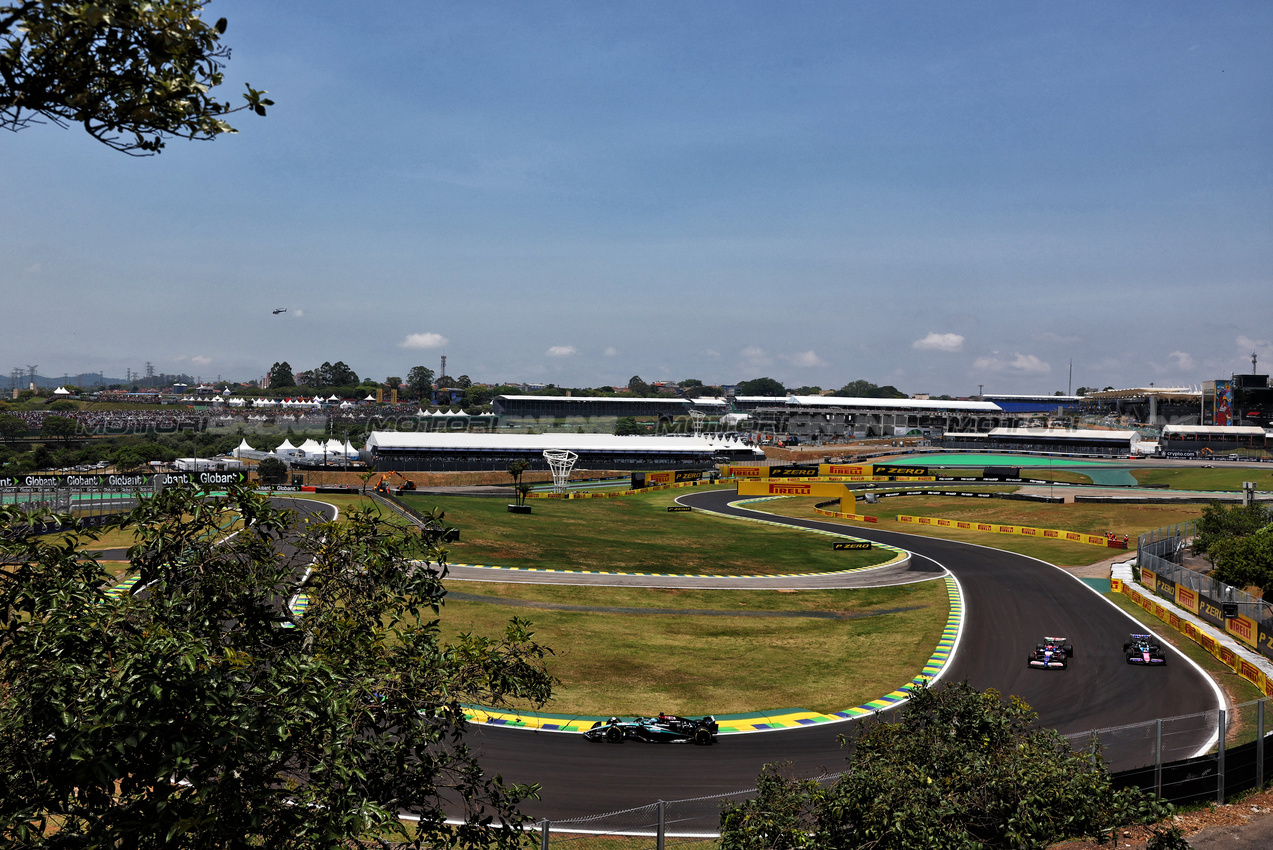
{"points": [[281, 376], [626, 426], [638, 387], [420, 382], [61, 427], [132, 73], [760, 386], [135, 453], [336, 375], [1220, 522], [517, 469], [958, 769], [1239, 542], [393, 382], [866, 389], [202, 713], [11, 427], [271, 470], [478, 396]]}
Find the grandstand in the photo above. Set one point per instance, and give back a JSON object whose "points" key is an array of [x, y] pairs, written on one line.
{"points": [[1051, 440], [1191, 441], [457, 451]]}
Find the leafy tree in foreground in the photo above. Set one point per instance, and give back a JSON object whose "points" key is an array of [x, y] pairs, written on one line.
{"points": [[959, 768], [132, 73], [202, 713]]}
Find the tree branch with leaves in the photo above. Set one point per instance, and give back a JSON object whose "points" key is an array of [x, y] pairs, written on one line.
{"points": [[201, 711], [132, 73]]}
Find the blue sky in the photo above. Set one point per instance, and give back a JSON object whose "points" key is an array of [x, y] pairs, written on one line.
{"points": [[930, 195]]}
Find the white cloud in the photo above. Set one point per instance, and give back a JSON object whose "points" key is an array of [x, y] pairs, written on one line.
{"points": [[298, 312], [562, 351], [200, 360], [756, 357], [611, 351], [424, 340], [939, 342], [33, 269], [804, 358], [711, 352], [1183, 359], [1262, 348], [1023, 364]]}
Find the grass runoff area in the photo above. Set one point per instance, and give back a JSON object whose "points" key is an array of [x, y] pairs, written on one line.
{"points": [[640, 651], [1095, 518], [632, 534], [1200, 478]]}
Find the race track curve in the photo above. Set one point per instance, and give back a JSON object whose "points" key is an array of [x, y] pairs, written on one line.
{"points": [[1010, 601]]}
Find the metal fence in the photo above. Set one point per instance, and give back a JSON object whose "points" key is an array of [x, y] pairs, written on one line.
{"points": [[657, 826], [1162, 551], [1158, 756]]}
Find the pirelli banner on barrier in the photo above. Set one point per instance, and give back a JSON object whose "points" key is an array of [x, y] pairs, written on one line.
{"points": [[889, 469], [1026, 530], [821, 489], [1242, 627], [747, 471], [671, 476], [852, 469], [793, 472], [123, 480]]}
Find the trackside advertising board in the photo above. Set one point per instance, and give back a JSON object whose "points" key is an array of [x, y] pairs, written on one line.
{"points": [[123, 480], [1028, 531], [821, 489], [1242, 627], [670, 476]]}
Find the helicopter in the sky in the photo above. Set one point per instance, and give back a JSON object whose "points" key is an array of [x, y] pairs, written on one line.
{"points": [[280, 310]]}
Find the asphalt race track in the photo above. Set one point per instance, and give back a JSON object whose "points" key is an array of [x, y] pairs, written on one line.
{"points": [[1010, 602]]}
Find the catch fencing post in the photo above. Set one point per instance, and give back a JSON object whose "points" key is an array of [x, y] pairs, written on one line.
{"points": [[1220, 761], [1158, 757], [662, 825], [1259, 745], [543, 834]]}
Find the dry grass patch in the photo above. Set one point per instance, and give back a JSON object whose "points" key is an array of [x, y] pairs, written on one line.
{"points": [[638, 663]]}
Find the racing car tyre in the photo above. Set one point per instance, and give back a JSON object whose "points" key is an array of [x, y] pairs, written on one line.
{"points": [[614, 735], [702, 737], [1069, 650]]}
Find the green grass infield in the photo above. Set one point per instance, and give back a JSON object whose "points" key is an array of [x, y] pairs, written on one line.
{"points": [[634, 534]]}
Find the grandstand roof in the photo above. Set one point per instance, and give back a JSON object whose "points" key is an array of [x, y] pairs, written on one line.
{"points": [[885, 403], [447, 440], [1074, 434], [1228, 430], [1173, 393]]}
